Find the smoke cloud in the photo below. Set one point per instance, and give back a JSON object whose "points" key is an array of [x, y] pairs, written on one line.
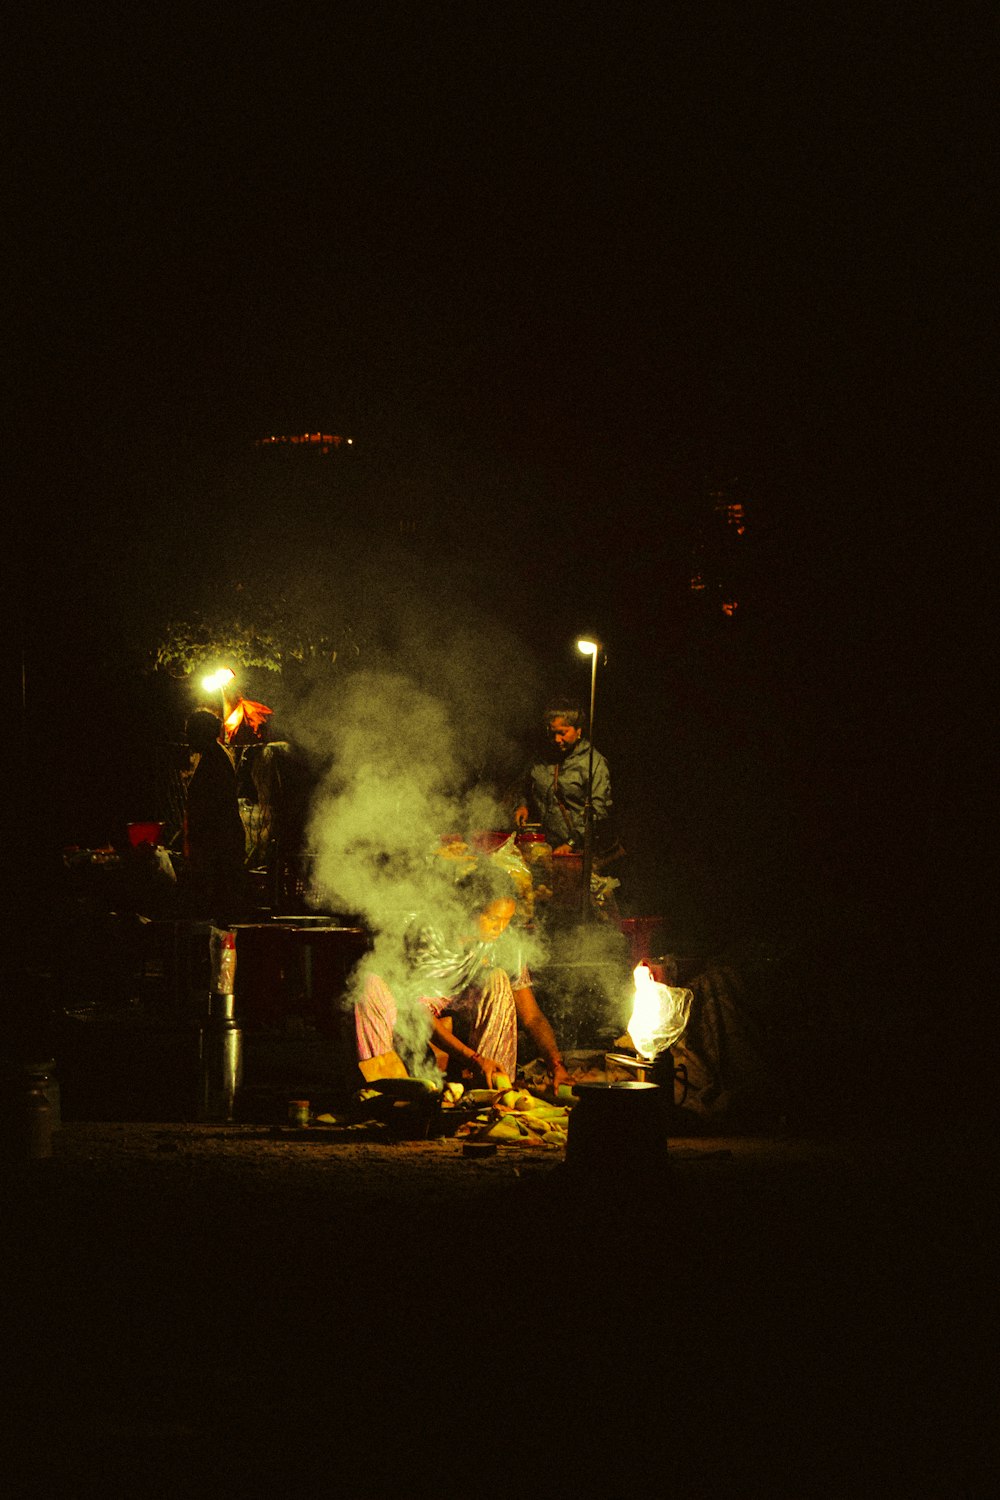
{"points": [[419, 742], [420, 737]]}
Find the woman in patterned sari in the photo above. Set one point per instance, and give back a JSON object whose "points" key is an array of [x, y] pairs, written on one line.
{"points": [[465, 989]]}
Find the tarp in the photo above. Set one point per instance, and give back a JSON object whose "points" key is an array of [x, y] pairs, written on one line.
{"points": [[725, 1053]]}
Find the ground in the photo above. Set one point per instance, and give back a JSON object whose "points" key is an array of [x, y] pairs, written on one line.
{"points": [[239, 1306]]}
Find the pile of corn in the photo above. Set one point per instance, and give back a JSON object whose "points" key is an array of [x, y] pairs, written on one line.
{"points": [[510, 1114]]}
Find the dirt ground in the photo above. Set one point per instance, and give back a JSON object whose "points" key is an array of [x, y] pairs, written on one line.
{"points": [[243, 1307]]}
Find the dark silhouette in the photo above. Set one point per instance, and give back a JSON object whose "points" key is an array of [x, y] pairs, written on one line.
{"points": [[214, 837]]}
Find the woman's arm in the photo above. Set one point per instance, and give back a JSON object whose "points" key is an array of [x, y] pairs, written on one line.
{"points": [[536, 1024], [444, 1038]]}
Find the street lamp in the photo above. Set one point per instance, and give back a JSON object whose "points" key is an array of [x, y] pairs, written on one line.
{"points": [[217, 682], [589, 647]]}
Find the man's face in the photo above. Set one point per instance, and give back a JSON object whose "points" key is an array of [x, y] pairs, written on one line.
{"points": [[495, 918], [564, 736]]}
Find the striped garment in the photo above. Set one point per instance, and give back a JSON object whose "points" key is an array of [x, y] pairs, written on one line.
{"points": [[473, 979]]}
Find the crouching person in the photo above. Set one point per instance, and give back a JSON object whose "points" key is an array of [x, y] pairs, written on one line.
{"points": [[465, 990]]}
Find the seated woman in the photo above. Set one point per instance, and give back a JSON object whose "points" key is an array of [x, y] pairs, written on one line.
{"points": [[465, 989]]}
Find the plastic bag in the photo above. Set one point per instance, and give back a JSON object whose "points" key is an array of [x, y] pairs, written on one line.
{"points": [[222, 951], [660, 1013]]}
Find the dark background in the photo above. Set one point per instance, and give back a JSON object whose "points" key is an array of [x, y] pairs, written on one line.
{"points": [[560, 272]]}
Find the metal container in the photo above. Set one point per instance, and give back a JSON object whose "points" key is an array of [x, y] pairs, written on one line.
{"points": [[617, 1130], [35, 1140], [25, 1119], [43, 1075], [221, 1071], [27, 1112]]}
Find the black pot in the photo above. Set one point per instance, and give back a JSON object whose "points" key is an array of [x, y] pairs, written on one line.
{"points": [[617, 1129]]}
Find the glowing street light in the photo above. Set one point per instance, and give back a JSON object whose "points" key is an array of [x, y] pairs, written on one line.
{"points": [[216, 681], [589, 646]]}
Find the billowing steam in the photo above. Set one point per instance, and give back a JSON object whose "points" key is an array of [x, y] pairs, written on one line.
{"points": [[420, 742], [416, 748], [395, 787]]}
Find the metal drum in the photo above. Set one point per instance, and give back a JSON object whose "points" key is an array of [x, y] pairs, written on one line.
{"points": [[617, 1130], [221, 1061]]}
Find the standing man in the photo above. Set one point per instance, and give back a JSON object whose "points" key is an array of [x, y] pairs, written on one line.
{"points": [[214, 838], [555, 789]]}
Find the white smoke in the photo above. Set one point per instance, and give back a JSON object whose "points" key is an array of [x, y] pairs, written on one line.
{"points": [[418, 736], [415, 748], [393, 790]]}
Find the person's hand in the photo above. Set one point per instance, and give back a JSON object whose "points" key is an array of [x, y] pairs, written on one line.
{"points": [[563, 849], [520, 816], [489, 1067], [559, 1075]]}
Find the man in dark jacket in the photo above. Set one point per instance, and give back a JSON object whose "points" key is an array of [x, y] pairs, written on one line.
{"points": [[214, 837], [555, 790]]}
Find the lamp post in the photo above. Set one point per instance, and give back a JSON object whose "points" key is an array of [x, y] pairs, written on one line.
{"points": [[589, 647], [217, 683]]}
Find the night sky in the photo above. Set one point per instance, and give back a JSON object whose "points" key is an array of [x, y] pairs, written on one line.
{"points": [[554, 267]]}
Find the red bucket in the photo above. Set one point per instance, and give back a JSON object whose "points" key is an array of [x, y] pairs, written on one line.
{"points": [[488, 840], [639, 931], [145, 833]]}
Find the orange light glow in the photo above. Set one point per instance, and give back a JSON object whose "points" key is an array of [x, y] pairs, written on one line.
{"points": [[245, 710], [324, 441]]}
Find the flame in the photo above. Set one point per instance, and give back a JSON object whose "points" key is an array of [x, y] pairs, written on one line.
{"points": [[659, 1013], [646, 1011]]}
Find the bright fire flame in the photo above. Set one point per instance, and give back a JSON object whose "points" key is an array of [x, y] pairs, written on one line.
{"points": [[659, 1013], [646, 1011]]}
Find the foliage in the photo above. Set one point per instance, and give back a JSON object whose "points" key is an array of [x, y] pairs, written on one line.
{"points": [[266, 631]]}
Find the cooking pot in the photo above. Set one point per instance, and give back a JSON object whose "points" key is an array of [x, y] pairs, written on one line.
{"points": [[617, 1129]]}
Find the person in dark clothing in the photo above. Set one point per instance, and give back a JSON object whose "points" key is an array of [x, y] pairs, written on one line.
{"points": [[214, 837], [283, 786]]}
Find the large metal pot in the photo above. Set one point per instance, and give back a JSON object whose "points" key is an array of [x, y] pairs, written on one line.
{"points": [[617, 1129]]}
